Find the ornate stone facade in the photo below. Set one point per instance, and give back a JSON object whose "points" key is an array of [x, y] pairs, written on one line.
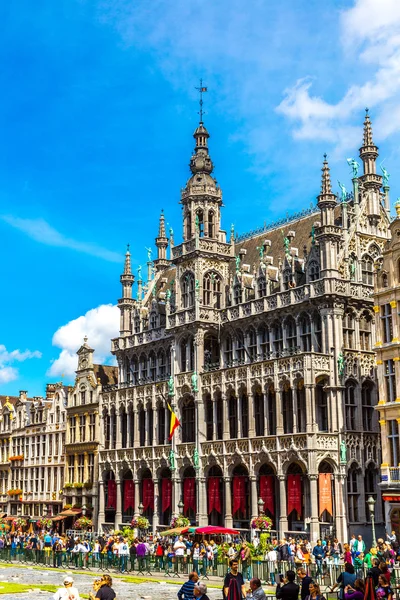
{"points": [[263, 345]]}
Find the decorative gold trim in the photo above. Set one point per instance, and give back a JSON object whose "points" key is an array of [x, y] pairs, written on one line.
{"points": [[378, 343], [379, 362], [393, 303], [395, 340], [381, 402], [382, 421], [396, 358], [384, 464], [376, 309]]}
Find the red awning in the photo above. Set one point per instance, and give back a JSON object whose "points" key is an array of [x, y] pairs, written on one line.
{"points": [[58, 518], [391, 498], [70, 512], [210, 530]]}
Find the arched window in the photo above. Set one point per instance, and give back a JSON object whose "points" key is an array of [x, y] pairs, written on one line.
{"points": [[291, 334], [313, 271], [365, 332], [161, 425], [228, 352], [187, 355], [199, 222], [244, 406], [277, 338], [153, 320], [287, 409], [367, 270], [135, 370], [265, 342], [188, 420], [188, 290], [287, 278], [188, 225], [211, 228], [161, 364], [305, 333], [385, 280], [350, 405], [137, 324], [232, 417], [368, 403], [317, 339], [142, 426], [153, 366], [252, 344], [212, 290], [209, 416], [143, 368], [370, 487], [237, 293], [353, 494], [321, 404], [348, 330], [262, 286], [240, 349], [259, 412]]}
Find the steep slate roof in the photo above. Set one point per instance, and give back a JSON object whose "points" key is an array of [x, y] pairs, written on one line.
{"points": [[11, 399], [108, 375]]}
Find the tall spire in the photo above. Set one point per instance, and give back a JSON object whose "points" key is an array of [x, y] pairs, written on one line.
{"points": [[368, 141], [368, 151], [162, 245], [127, 278], [326, 186]]}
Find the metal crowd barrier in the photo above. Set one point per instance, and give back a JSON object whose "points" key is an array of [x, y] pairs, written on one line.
{"points": [[171, 566]]}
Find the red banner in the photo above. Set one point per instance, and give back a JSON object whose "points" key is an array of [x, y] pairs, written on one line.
{"points": [[294, 496], [129, 494], [214, 497], [189, 494], [239, 494], [166, 494], [112, 494], [148, 494], [325, 493], [267, 493]]}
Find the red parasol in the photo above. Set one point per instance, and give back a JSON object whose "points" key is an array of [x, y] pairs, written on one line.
{"points": [[210, 530]]}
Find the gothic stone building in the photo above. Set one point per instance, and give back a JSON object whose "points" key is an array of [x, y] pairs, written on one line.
{"points": [[263, 345]]}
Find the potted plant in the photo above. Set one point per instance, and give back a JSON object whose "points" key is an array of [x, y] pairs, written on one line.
{"points": [[83, 523], [179, 521], [44, 523], [140, 523]]}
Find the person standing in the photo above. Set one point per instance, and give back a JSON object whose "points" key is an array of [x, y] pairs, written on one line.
{"points": [[200, 591], [289, 590], [123, 553], [106, 592], [319, 555], [305, 583], [245, 559], [255, 591], [233, 582]]}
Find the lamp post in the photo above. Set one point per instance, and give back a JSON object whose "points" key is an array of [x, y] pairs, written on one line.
{"points": [[140, 509], [371, 505], [260, 504]]}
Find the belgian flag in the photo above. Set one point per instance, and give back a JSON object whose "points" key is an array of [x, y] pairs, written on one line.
{"points": [[174, 422]]}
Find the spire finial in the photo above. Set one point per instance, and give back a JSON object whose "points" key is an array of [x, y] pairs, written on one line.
{"points": [[326, 186], [85, 339], [201, 89], [127, 265], [367, 141], [161, 227]]}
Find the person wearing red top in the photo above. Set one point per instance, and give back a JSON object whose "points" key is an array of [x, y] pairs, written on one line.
{"points": [[384, 571], [347, 558], [159, 555]]}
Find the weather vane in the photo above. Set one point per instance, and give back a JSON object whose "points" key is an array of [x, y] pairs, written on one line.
{"points": [[201, 90]]}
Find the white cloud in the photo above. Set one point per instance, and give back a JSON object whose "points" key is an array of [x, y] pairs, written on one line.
{"points": [[99, 324], [370, 34], [7, 371], [40, 231]]}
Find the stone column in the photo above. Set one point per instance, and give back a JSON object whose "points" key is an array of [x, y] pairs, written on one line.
{"points": [[279, 415], [146, 426], [266, 412], [252, 429], [239, 414], [294, 401], [340, 508], [85, 467], [225, 421], [309, 407], [136, 437], [201, 501], [228, 502], [136, 501], [118, 512], [253, 501], [283, 520], [314, 520], [166, 435], [101, 515], [176, 492], [215, 419], [157, 501], [118, 425]]}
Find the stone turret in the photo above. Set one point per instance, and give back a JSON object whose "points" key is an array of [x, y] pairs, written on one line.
{"points": [[125, 303], [161, 261], [327, 234]]}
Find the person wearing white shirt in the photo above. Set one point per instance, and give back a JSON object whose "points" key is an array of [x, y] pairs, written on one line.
{"points": [[179, 549], [123, 553], [272, 557], [68, 592]]}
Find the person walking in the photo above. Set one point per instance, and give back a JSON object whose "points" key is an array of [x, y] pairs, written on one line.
{"points": [[68, 592]]}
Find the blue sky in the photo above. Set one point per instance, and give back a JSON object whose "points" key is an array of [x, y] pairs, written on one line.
{"points": [[97, 111]]}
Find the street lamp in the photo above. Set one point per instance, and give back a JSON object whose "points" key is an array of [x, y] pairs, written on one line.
{"points": [[141, 508], [260, 506], [371, 505], [180, 506]]}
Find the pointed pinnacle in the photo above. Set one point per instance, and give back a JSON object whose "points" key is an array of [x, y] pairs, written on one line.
{"points": [[326, 186], [161, 229], [127, 265], [367, 141]]}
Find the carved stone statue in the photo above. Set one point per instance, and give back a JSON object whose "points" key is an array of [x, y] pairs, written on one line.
{"points": [[260, 251], [196, 460], [354, 165], [352, 268], [171, 459], [343, 453], [149, 253], [313, 235], [139, 270], [197, 224], [344, 191], [286, 243], [194, 382], [341, 362], [168, 295], [237, 262], [385, 176], [232, 230], [170, 384], [197, 287]]}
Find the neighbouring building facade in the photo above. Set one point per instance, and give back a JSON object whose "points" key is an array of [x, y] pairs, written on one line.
{"points": [[83, 435], [32, 453], [387, 347], [263, 345]]}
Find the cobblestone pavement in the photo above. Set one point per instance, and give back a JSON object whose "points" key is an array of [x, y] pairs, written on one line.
{"points": [[125, 591]]}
